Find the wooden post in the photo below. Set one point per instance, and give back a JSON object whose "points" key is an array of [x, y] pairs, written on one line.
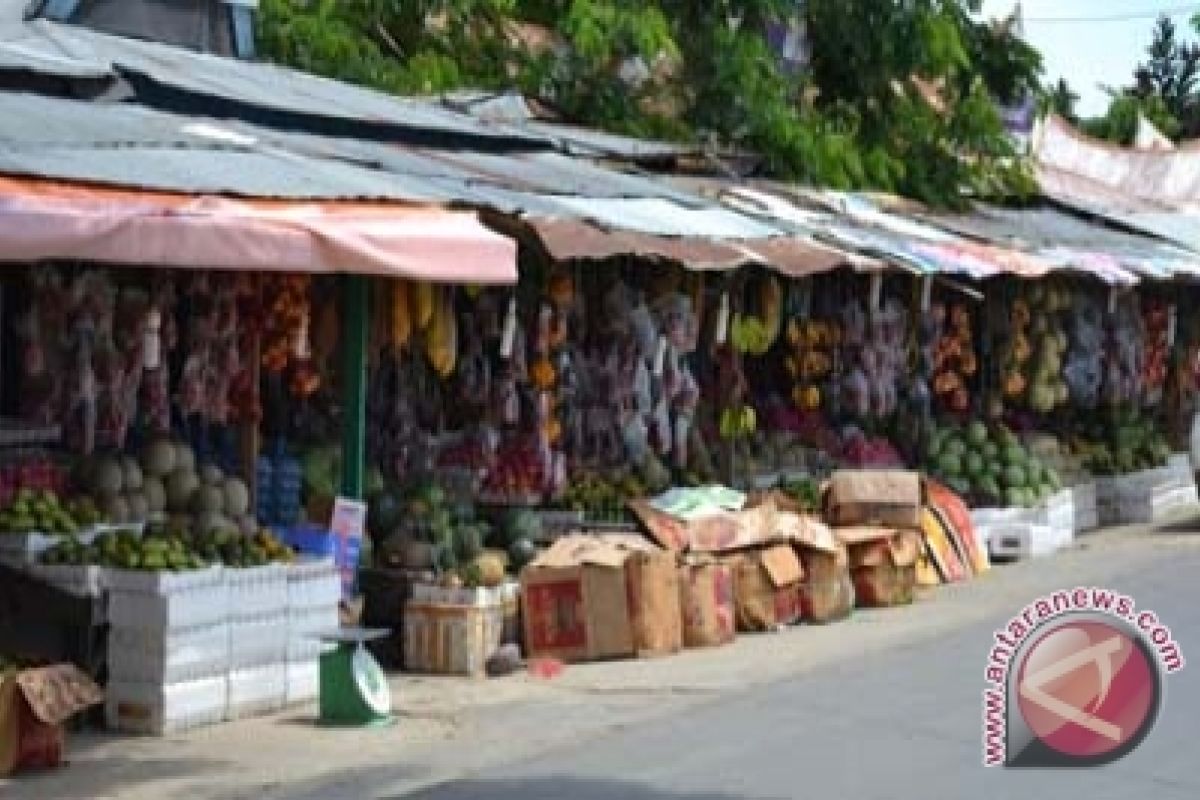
{"points": [[355, 320]]}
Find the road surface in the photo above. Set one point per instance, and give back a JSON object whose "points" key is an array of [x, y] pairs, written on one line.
{"points": [[905, 723]]}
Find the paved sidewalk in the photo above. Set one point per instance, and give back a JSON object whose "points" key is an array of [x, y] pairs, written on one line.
{"points": [[451, 727]]}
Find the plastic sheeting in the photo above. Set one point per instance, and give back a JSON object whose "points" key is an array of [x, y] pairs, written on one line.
{"points": [[43, 220]]}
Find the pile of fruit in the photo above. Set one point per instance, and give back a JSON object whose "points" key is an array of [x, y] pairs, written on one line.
{"points": [[813, 347], [44, 512], [162, 549], [1156, 320], [805, 493], [599, 498], [425, 530], [955, 362], [1119, 442], [989, 466]]}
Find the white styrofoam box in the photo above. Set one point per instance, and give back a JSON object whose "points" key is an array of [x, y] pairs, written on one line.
{"points": [[1158, 506], [258, 641], [1023, 541], [257, 591], [164, 582], [1180, 463], [153, 708], [313, 583], [256, 691], [184, 599], [83, 580], [1086, 516], [24, 549], [148, 655], [303, 682], [304, 627]]}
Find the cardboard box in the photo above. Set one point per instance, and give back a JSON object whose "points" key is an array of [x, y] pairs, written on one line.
{"points": [[827, 592], [883, 564], [589, 598], [887, 498], [765, 588], [34, 704], [707, 597], [451, 640], [754, 526]]}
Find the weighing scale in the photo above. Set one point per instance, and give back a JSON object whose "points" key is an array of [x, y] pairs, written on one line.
{"points": [[354, 690]]}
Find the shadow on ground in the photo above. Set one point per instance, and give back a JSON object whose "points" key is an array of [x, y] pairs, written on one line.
{"points": [[560, 788], [101, 779]]}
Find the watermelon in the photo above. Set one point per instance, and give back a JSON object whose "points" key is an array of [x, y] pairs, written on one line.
{"points": [[990, 487], [521, 523], [1014, 455], [977, 433], [1014, 477], [991, 451], [975, 465], [950, 466], [954, 446], [1014, 497]]}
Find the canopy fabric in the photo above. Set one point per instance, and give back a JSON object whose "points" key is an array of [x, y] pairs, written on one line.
{"points": [[566, 239], [43, 220]]}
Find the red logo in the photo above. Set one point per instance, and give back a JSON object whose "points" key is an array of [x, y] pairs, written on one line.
{"points": [[1088, 690]]}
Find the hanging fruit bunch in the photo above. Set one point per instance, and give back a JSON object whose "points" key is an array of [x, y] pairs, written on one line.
{"points": [[875, 350], [754, 333], [1155, 321], [955, 362], [1123, 352], [285, 340], [1017, 353], [1047, 388], [1084, 368], [813, 346]]}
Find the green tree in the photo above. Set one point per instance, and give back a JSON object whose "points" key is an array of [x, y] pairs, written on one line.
{"points": [[1060, 99], [1119, 124], [1172, 73], [703, 69]]}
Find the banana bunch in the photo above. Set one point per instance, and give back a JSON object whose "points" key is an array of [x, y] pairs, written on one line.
{"points": [[737, 423], [750, 335]]}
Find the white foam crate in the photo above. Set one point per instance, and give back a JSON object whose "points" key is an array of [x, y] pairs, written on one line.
{"points": [[171, 599], [147, 655], [1159, 506], [314, 583], [1180, 463], [257, 591], [1086, 514], [1019, 542], [1012, 515], [256, 691], [155, 709], [24, 549], [303, 682], [258, 641], [481, 597], [83, 581], [304, 627]]}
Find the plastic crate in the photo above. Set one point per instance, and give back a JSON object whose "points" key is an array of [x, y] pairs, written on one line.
{"points": [[256, 691], [150, 708], [257, 591], [310, 540], [259, 641], [143, 655]]}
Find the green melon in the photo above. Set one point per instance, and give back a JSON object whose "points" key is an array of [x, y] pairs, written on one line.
{"points": [[1015, 477], [977, 433], [975, 465]]}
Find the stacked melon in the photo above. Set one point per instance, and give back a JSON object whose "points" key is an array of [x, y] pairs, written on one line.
{"points": [[118, 487], [989, 466]]}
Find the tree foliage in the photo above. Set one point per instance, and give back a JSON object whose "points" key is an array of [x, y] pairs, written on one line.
{"points": [[1060, 99], [897, 95]]}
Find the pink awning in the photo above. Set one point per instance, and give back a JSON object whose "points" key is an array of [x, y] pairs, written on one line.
{"points": [[43, 220]]}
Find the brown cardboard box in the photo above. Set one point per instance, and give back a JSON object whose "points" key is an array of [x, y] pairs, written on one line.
{"points": [[34, 704], [754, 526], [883, 563], [888, 498], [597, 597], [765, 584], [444, 639], [707, 594], [827, 592]]}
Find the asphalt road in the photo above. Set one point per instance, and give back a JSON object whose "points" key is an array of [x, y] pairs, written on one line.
{"points": [[902, 724]]}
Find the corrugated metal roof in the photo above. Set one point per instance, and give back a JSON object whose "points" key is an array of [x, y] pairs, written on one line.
{"points": [[65, 51]]}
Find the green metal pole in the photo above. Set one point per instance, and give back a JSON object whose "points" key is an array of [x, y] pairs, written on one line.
{"points": [[355, 322]]}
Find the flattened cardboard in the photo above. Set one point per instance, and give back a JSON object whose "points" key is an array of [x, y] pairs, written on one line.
{"points": [[720, 533], [828, 599], [707, 597], [883, 564], [590, 598], [765, 588], [890, 498]]}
